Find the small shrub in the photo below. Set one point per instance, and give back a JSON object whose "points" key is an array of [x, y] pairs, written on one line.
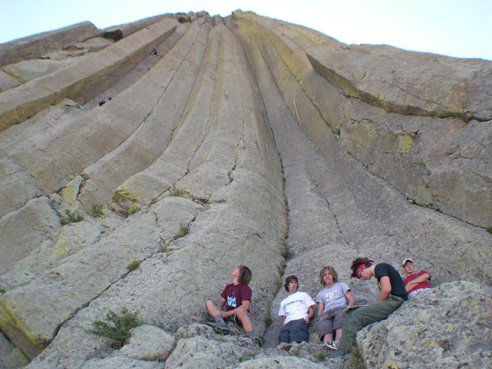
{"points": [[246, 357], [320, 356], [132, 209], [2, 290], [178, 192], [287, 254], [134, 265], [71, 217], [489, 229], [96, 211], [117, 326], [268, 321], [278, 286], [183, 231]]}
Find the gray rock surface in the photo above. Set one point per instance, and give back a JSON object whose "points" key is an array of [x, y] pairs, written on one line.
{"points": [[446, 327], [35, 46], [148, 343], [195, 144]]}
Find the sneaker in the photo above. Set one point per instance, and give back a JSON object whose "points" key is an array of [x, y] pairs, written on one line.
{"points": [[219, 325], [259, 341], [283, 346], [331, 345]]}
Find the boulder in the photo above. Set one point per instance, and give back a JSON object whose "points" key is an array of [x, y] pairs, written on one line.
{"points": [[444, 327]]}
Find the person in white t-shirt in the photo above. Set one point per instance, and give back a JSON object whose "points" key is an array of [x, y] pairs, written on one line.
{"points": [[296, 312], [332, 301]]}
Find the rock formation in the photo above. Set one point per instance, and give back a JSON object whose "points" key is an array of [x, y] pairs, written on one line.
{"points": [[138, 172]]}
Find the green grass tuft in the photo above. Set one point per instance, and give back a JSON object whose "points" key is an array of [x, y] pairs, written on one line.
{"points": [[134, 265], [96, 211], [320, 356], [132, 209], [71, 217], [117, 326], [183, 231]]}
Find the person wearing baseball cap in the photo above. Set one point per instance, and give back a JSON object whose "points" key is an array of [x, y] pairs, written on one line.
{"points": [[415, 282]]}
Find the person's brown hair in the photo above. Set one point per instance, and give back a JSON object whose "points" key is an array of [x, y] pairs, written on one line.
{"points": [[329, 269], [355, 264], [245, 274]]}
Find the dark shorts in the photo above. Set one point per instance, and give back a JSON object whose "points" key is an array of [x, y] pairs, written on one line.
{"points": [[294, 331], [330, 321]]}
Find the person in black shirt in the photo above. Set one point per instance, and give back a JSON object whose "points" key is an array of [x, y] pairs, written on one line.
{"points": [[391, 295]]}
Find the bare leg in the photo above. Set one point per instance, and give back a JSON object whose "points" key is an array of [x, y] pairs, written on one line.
{"points": [[328, 338], [211, 309], [339, 334], [243, 316]]}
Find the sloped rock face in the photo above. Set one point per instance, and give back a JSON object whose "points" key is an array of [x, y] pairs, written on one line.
{"points": [[138, 173], [434, 330]]}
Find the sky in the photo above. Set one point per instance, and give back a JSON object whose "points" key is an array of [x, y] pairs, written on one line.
{"points": [[458, 28]]}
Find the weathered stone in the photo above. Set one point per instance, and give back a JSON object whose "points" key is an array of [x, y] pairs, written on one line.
{"points": [[243, 140], [446, 327], [283, 362], [47, 120], [148, 141], [58, 290], [148, 343], [34, 46], [7, 81], [121, 362], [25, 229], [31, 69], [10, 356], [17, 186], [71, 239], [19, 104], [203, 353], [390, 127]]}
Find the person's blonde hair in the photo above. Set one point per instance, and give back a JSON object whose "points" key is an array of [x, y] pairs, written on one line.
{"points": [[329, 269]]}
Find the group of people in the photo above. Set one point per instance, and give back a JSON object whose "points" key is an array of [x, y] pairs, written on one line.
{"points": [[339, 319]]}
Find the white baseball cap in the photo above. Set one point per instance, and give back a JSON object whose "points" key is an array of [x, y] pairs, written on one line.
{"points": [[406, 260]]}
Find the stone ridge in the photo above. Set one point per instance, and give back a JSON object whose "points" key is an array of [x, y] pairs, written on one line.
{"points": [[138, 172]]}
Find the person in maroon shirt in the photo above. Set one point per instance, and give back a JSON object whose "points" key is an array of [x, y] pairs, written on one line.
{"points": [[415, 282], [235, 302]]}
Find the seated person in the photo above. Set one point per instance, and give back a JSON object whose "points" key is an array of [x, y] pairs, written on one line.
{"points": [[236, 298], [332, 302], [415, 282], [296, 312], [391, 295]]}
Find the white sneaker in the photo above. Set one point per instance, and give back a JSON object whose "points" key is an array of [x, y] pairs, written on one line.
{"points": [[331, 345]]}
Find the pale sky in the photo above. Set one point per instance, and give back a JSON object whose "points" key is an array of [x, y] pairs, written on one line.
{"points": [[460, 28]]}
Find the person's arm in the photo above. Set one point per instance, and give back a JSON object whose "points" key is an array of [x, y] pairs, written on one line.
{"points": [[384, 288], [420, 279], [222, 302], [321, 307], [350, 298], [282, 320], [246, 304], [310, 314]]}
